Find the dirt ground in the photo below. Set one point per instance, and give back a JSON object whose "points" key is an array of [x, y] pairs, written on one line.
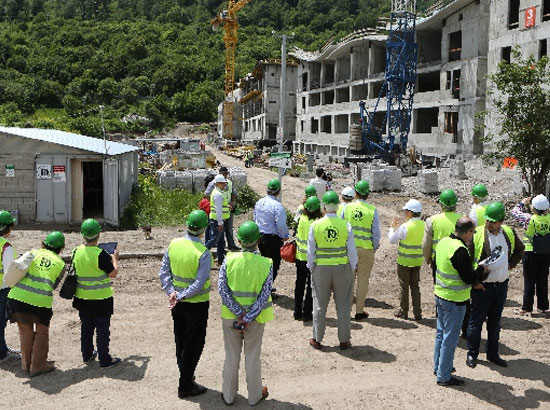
{"points": [[389, 365]]}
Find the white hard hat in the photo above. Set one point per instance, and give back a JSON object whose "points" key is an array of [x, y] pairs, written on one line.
{"points": [[540, 202], [220, 179], [413, 205], [349, 192]]}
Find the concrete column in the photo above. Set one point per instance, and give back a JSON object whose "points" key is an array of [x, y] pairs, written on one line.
{"points": [[371, 59], [322, 75], [352, 57]]}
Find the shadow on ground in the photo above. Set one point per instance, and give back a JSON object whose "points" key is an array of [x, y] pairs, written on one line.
{"points": [[392, 323], [212, 400]]}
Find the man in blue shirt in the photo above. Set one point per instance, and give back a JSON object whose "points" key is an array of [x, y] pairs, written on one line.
{"points": [[270, 216]]}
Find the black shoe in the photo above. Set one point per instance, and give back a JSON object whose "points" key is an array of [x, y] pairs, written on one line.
{"points": [[307, 318], [471, 361], [452, 371], [499, 361], [361, 316], [114, 362], [195, 391], [91, 358], [453, 381], [298, 316]]}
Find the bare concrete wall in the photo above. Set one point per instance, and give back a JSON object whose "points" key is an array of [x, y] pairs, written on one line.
{"points": [[18, 193]]}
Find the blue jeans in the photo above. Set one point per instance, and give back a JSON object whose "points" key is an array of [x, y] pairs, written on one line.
{"points": [[489, 304], [3, 321], [101, 324], [449, 321], [216, 238]]}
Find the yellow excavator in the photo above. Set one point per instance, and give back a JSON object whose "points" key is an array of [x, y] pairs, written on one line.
{"points": [[228, 18]]}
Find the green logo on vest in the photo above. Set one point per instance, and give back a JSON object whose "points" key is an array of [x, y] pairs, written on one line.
{"points": [[357, 215], [45, 263], [331, 234]]}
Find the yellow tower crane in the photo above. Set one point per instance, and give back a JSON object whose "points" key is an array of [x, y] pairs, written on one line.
{"points": [[229, 19]]}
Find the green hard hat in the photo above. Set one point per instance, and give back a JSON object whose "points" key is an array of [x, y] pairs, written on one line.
{"points": [[362, 187], [248, 233], [331, 198], [6, 218], [312, 204], [274, 185], [90, 228], [55, 240], [479, 191], [197, 220], [447, 197], [495, 212], [311, 191]]}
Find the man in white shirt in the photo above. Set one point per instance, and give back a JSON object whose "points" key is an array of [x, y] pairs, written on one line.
{"points": [[320, 184], [487, 300]]}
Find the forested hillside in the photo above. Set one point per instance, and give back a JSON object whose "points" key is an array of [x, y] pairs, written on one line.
{"points": [[61, 59]]}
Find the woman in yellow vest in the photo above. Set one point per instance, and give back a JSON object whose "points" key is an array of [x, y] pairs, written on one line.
{"points": [[312, 212], [409, 258], [93, 298], [30, 303], [245, 283]]}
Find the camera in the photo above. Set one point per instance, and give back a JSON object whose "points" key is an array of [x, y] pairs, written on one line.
{"points": [[238, 326]]}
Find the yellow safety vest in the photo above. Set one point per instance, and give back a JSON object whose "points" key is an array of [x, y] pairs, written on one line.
{"points": [[443, 224], [184, 255], [225, 205], [479, 239], [448, 284], [410, 249], [331, 235], [246, 273], [3, 241], [36, 288], [302, 236], [480, 214], [538, 225], [91, 282], [360, 216]]}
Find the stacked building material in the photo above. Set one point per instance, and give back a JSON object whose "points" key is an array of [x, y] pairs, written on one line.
{"points": [[167, 179], [427, 181], [184, 180], [238, 177], [375, 175], [392, 178], [355, 138]]}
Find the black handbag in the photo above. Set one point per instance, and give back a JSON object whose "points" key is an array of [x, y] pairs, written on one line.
{"points": [[541, 243], [68, 288]]}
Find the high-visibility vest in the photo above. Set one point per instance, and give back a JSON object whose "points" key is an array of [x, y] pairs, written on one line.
{"points": [[3, 241], [184, 255], [225, 205], [246, 273], [479, 239], [538, 225], [410, 249], [331, 235], [448, 284], [443, 224], [360, 216], [341, 208], [480, 214], [92, 283], [36, 288], [302, 236]]}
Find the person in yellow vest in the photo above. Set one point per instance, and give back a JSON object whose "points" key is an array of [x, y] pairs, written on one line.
{"points": [[536, 260], [332, 259], [454, 278], [480, 196], [409, 258], [185, 278], [94, 269], [7, 255], [309, 192], [219, 215], [488, 302], [303, 308], [30, 302], [245, 282], [348, 195], [364, 220]]}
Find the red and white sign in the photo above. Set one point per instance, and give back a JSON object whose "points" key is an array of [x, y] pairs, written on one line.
{"points": [[59, 173], [530, 17]]}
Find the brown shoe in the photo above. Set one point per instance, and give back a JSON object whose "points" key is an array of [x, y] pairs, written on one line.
{"points": [[401, 315], [315, 344], [345, 345], [47, 369], [265, 394]]}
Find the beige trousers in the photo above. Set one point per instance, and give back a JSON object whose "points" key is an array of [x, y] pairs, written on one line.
{"points": [[233, 343], [34, 346], [364, 267], [409, 277]]}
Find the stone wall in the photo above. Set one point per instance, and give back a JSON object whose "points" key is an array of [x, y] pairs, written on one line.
{"points": [[18, 192]]}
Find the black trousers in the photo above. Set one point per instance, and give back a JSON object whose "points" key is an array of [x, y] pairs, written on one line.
{"points": [[303, 283], [270, 247], [535, 280], [101, 324], [190, 321]]}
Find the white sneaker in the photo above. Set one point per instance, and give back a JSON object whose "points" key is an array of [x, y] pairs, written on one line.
{"points": [[11, 357]]}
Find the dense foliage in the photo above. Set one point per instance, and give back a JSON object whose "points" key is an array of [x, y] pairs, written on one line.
{"points": [[154, 59]]}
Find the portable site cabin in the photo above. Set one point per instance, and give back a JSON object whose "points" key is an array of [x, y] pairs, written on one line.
{"points": [[51, 176]]}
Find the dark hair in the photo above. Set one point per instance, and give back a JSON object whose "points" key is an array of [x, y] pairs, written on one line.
{"points": [[49, 248], [313, 215], [464, 225], [223, 169], [208, 179], [319, 172], [360, 196], [6, 230], [538, 211], [416, 214]]}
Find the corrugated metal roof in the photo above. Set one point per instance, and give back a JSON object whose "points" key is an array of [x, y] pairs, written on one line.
{"points": [[69, 139]]}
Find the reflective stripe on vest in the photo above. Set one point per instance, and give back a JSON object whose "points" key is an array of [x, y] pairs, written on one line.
{"points": [[443, 225], [479, 240], [360, 216], [448, 284], [36, 288], [331, 235], [410, 249], [538, 225], [92, 283], [302, 236], [225, 205], [246, 273], [185, 255]]}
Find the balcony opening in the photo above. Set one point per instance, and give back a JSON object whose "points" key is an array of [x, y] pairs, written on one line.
{"points": [[428, 82], [304, 81], [314, 126], [456, 84], [543, 48], [425, 119], [360, 92], [329, 74], [451, 125], [326, 124], [342, 95], [546, 10], [328, 97], [314, 99], [341, 124], [513, 14], [505, 54], [455, 45]]}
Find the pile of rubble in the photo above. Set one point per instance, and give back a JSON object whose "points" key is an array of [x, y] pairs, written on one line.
{"points": [[196, 180]]}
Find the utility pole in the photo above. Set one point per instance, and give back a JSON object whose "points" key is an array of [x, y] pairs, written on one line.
{"points": [[103, 127]]}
